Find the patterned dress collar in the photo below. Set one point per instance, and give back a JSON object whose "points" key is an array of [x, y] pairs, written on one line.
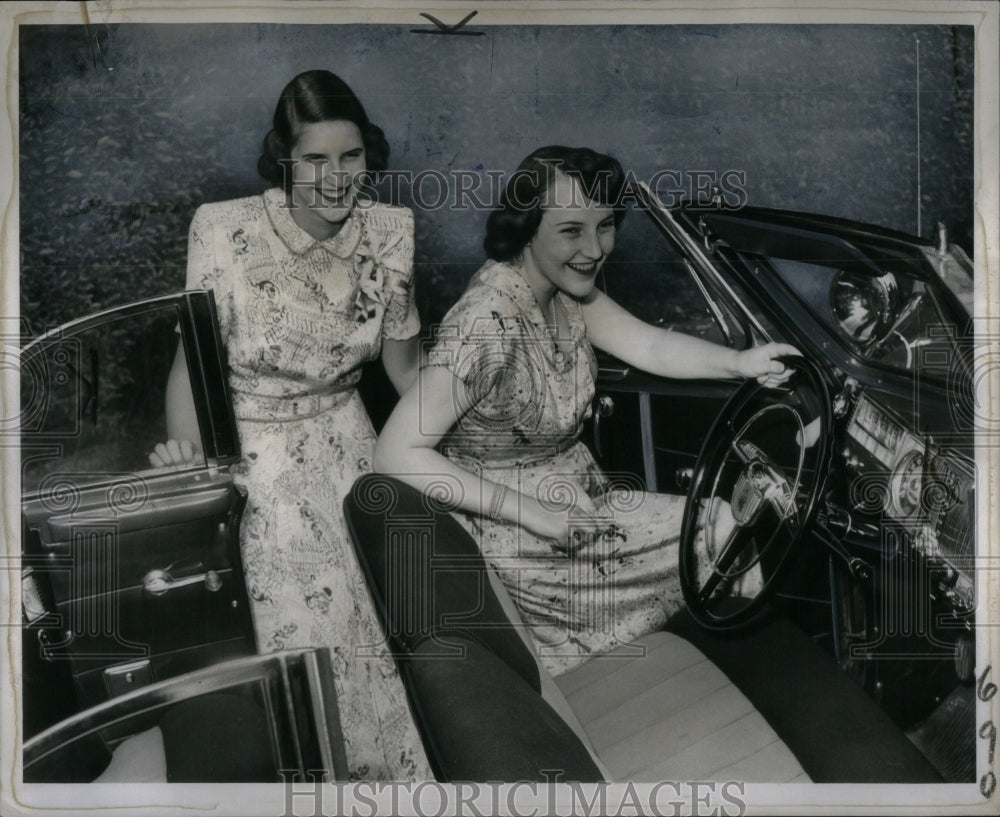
{"points": [[508, 278], [342, 245]]}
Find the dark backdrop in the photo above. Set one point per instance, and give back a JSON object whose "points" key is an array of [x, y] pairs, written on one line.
{"points": [[125, 130]]}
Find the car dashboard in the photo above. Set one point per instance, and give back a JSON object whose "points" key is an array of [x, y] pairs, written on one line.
{"points": [[924, 493]]}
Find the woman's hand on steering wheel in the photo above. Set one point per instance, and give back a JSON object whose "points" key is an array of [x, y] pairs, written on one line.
{"points": [[764, 363], [176, 454]]}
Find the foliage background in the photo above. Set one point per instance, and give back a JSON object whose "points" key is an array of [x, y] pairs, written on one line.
{"points": [[126, 129]]}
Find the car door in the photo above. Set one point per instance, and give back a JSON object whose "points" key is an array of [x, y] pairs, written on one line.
{"points": [[646, 428], [130, 574]]}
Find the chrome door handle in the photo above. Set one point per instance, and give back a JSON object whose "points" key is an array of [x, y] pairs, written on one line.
{"points": [[159, 582]]}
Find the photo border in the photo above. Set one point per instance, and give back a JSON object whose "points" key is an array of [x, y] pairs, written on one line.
{"points": [[269, 799]]}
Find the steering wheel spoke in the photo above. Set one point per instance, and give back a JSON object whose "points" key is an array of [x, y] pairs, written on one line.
{"points": [[782, 501], [719, 566], [741, 455]]}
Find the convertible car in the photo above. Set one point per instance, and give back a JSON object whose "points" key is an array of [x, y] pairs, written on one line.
{"points": [[833, 625]]}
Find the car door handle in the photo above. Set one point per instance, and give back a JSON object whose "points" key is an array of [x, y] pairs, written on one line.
{"points": [[160, 582], [607, 371]]}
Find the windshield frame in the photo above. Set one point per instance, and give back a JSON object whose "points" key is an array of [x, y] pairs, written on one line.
{"points": [[860, 252]]}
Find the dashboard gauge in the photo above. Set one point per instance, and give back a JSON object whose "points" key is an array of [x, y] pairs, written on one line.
{"points": [[950, 500], [906, 485], [900, 454], [876, 431]]}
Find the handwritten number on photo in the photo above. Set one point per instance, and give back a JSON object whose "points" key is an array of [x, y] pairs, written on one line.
{"points": [[985, 690]]}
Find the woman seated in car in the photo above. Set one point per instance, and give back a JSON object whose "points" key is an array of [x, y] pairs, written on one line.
{"points": [[506, 390]]}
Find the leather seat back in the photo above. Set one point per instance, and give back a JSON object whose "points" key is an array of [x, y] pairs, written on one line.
{"points": [[481, 714]]}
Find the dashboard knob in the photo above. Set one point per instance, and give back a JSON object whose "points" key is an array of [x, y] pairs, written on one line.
{"points": [[842, 401], [851, 461], [860, 569]]}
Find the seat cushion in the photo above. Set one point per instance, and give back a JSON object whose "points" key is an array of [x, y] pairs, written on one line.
{"points": [[671, 714], [846, 739], [138, 759]]}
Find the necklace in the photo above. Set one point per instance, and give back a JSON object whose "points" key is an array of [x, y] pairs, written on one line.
{"points": [[560, 356]]}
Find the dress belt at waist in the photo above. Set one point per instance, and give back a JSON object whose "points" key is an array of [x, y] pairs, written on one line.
{"points": [[506, 457], [262, 408]]}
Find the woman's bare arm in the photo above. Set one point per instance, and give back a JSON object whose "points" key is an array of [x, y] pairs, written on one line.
{"points": [[183, 444], [674, 354], [406, 449], [401, 361]]}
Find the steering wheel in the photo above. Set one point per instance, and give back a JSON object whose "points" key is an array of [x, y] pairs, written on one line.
{"points": [[753, 494]]}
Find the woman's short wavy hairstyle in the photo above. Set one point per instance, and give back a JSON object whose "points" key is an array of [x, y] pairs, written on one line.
{"points": [[514, 224], [316, 96]]}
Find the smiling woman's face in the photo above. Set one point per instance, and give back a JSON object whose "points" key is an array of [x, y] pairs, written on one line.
{"points": [[573, 240], [328, 158]]}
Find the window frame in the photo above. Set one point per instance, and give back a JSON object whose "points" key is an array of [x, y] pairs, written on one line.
{"points": [[198, 332]]}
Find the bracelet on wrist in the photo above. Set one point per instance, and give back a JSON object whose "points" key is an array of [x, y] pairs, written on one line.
{"points": [[496, 504]]}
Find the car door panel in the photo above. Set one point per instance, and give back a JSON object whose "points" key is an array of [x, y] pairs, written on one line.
{"points": [[612, 433], [653, 428], [166, 511], [152, 582], [137, 570], [683, 417]]}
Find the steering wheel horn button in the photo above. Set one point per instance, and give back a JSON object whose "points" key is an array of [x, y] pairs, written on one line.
{"points": [[748, 499]]}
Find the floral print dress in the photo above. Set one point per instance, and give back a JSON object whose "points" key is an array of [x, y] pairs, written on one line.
{"points": [[531, 398], [299, 317]]}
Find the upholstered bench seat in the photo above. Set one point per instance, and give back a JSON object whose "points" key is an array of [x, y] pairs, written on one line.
{"points": [[671, 714], [485, 708], [696, 705]]}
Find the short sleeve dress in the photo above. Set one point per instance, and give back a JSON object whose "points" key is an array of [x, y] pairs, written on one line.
{"points": [[299, 317], [531, 397]]}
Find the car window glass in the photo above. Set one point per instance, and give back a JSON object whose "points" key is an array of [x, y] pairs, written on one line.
{"points": [[92, 401], [890, 318], [742, 295], [647, 275]]}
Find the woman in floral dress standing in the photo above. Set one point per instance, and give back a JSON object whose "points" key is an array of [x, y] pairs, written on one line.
{"points": [[311, 282]]}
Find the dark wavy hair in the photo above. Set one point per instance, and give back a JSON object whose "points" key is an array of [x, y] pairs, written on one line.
{"points": [[514, 224], [317, 96]]}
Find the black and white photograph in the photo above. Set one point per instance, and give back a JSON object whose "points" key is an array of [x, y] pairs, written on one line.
{"points": [[500, 408]]}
